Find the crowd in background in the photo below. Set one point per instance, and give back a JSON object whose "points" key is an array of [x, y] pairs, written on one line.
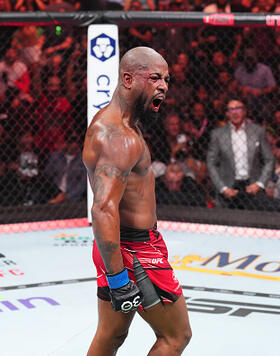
{"points": [[43, 98], [153, 5]]}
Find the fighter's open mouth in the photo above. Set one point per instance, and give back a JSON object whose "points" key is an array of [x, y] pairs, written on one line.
{"points": [[156, 103]]}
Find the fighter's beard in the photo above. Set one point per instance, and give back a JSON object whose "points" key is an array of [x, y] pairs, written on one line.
{"points": [[146, 117]]}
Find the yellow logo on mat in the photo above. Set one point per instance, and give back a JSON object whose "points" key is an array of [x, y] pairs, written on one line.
{"points": [[224, 265]]}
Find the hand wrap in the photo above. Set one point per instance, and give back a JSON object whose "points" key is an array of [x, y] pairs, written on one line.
{"points": [[125, 295]]}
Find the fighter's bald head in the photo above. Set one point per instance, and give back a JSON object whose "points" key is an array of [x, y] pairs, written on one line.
{"points": [[139, 58]]}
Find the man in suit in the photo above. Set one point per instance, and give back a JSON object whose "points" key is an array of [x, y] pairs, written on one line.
{"points": [[240, 162]]}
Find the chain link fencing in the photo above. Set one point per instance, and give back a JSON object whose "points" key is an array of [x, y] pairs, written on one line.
{"points": [[43, 119], [43, 103]]}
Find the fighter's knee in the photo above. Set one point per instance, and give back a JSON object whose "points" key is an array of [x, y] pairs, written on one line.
{"points": [[107, 343], [119, 339], [180, 342], [115, 339], [187, 336], [177, 343]]}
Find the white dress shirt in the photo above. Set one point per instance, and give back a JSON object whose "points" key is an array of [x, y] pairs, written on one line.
{"points": [[240, 151]]}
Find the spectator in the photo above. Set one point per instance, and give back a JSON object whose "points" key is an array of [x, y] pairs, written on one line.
{"points": [[14, 74], [277, 7], [241, 5], [59, 39], [53, 115], [179, 5], [165, 148], [157, 166], [52, 66], [219, 64], [201, 96], [50, 136], [264, 41], [28, 41], [135, 36], [198, 5], [53, 102], [219, 61], [264, 6], [217, 39], [21, 114], [144, 5], [272, 126], [180, 90], [115, 5], [59, 6], [199, 127], [256, 82], [254, 77], [217, 6], [183, 62], [240, 162], [193, 167], [66, 170], [199, 67], [163, 5], [173, 39], [175, 188], [224, 86], [273, 187], [5, 5], [31, 186], [30, 5]]}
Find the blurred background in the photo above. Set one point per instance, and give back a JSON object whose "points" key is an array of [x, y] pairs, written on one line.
{"points": [[43, 110]]}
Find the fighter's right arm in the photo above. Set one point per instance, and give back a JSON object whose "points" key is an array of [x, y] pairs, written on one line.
{"points": [[109, 155]]}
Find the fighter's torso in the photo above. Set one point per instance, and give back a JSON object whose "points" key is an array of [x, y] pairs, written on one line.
{"points": [[137, 207]]}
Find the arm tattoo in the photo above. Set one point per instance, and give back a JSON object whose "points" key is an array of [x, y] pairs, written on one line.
{"points": [[106, 248], [112, 172], [97, 188], [110, 132]]}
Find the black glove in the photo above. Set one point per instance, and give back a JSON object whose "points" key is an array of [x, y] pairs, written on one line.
{"points": [[125, 295]]}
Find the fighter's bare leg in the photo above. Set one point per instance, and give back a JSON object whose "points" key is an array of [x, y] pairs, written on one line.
{"points": [[171, 325], [111, 331]]}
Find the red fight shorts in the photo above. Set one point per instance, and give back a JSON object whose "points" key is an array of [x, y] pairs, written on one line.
{"points": [[151, 251]]}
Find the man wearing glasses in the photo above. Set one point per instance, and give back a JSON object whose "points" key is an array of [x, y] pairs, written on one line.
{"points": [[240, 162]]}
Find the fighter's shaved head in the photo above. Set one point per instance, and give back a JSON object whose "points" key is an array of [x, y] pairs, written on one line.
{"points": [[138, 59], [143, 83]]}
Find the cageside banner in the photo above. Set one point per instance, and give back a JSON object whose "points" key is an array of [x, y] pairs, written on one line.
{"points": [[102, 72], [86, 18]]}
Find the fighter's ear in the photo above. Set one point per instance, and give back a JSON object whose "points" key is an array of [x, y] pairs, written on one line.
{"points": [[127, 80]]}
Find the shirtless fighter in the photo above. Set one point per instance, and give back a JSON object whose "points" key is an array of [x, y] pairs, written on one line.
{"points": [[124, 213]]}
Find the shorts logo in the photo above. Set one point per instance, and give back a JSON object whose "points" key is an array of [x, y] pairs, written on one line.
{"points": [[127, 306], [103, 47], [157, 260]]}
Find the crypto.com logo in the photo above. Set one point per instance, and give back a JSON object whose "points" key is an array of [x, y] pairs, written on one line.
{"points": [[103, 47]]}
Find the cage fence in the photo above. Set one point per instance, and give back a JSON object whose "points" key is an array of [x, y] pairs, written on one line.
{"points": [[212, 60]]}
